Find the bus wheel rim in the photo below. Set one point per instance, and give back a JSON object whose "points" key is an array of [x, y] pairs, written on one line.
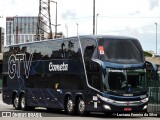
{"points": [[23, 102], [16, 102], [70, 106], [81, 106]]}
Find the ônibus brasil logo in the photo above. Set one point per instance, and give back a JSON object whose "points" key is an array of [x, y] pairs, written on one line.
{"points": [[14, 65]]}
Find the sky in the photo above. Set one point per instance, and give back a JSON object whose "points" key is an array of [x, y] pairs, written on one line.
{"points": [[133, 18]]}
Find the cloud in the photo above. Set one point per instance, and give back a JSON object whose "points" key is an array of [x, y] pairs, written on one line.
{"points": [[153, 4], [134, 13], [13, 2], [69, 14]]}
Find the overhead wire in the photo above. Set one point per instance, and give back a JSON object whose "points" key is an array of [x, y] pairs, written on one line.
{"points": [[145, 17], [130, 29]]}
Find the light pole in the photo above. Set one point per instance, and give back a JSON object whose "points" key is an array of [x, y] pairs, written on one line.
{"points": [[96, 22], [156, 37], [55, 20], [66, 26], [77, 28], [16, 30], [93, 17]]}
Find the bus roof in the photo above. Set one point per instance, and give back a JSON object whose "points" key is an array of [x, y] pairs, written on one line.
{"points": [[82, 36], [107, 37]]}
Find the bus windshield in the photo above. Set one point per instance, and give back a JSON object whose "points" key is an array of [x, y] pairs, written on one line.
{"points": [[125, 81], [123, 51]]}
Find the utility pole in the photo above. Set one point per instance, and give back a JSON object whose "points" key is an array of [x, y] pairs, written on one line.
{"points": [[55, 36], [77, 29], [44, 21], [66, 26], [156, 37], [96, 22], [17, 31], [56, 22], [93, 17]]}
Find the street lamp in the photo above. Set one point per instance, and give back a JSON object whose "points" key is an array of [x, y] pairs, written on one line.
{"points": [[93, 17], [96, 22], [156, 37], [66, 26], [55, 20], [77, 28]]}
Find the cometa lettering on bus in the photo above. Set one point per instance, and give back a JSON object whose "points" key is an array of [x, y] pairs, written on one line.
{"points": [[58, 67]]}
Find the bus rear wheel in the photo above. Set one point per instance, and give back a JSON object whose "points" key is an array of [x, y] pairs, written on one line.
{"points": [[23, 103], [70, 106], [16, 102]]}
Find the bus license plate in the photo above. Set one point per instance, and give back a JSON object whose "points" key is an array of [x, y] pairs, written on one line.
{"points": [[127, 109]]}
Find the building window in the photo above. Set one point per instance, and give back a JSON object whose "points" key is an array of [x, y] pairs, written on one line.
{"points": [[22, 38], [19, 40], [30, 38], [26, 38]]}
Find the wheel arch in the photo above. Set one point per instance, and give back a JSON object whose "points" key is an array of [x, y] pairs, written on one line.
{"points": [[21, 93], [67, 94], [14, 93], [78, 95]]}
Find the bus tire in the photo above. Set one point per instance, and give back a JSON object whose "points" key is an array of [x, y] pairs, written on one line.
{"points": [[23, 102], [70, 106], [16, 102], [81, 107]]}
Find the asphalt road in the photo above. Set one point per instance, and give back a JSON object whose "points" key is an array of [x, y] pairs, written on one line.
{"points": [[7, 112]]}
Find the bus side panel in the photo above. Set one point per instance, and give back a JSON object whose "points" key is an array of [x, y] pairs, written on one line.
{"points": [[13, 74], [48, 88], [48, 98]]}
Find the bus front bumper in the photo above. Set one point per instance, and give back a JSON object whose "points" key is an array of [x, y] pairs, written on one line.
{"points": [[124, 106]]}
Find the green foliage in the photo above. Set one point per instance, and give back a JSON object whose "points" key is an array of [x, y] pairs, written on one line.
{"points": [[147, 54]]}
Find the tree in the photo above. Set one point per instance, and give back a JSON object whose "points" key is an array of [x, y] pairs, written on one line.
{"points": [[147, 54]]}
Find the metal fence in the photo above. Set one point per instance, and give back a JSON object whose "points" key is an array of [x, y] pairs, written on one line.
{"points": [[0, 83], [154, 95]]}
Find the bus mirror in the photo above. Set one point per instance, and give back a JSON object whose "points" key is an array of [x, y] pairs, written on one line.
{"points": [[151, 66], [94, 66], [97, 66]]}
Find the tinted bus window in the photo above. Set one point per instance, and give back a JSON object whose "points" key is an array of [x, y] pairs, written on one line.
{"points": [[88, 48], [73, 50], [121, 50]]}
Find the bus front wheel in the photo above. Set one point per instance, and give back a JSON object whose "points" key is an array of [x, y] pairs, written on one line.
{"points": [[82, 107]]}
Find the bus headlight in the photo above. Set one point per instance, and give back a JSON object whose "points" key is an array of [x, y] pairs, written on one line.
{"points": [[145, 100], [107, 107], [105, 99], [145, 107]]}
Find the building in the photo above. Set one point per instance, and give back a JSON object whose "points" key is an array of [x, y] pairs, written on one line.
{"points": [[21, 29], [58, 35], [1, 54], [1, 39]]}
